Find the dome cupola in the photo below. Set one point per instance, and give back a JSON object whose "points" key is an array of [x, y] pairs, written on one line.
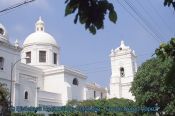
{"points": [[41, 47], [40, 36]]}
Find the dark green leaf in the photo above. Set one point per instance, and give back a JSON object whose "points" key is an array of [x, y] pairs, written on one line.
{"points": [[68, 10], [92, 29], [76, 18], [113, 16], [66, 1]]}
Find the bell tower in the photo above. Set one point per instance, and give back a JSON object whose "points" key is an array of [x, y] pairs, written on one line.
{"points": [[123, 67]]}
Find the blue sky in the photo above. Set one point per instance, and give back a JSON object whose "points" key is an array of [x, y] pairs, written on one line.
{"points": [[84, 51]]}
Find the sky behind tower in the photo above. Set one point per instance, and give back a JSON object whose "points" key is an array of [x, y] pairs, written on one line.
{"points": [[141, 24]]}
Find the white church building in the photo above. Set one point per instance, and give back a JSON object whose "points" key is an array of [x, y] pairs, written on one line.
{"points": [[34, 75]]}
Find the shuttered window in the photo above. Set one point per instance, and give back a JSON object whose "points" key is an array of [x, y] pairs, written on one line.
{"points": [[42, 56], [28, 60]]}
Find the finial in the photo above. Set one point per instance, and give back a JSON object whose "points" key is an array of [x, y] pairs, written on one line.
{"points": [[122, 45], [122, 42], [16, 43], [40, 20], [112, 50]]}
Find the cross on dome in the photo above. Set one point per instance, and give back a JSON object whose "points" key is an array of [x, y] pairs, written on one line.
{"points": [[39, 25]]}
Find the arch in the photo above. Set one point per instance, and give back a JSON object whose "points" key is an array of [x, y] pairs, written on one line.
{"points": [[1, 31], [94, 94], [122, 72], [75, 81], [101, 95], [26, 95], [1, 63], [55, 58]]}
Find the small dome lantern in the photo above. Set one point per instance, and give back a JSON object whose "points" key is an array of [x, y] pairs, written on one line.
{"points": [[39, 25]]}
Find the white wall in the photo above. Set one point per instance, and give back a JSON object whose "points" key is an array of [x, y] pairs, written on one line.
{"points": [[59, 80], [49, 98], [27, 79], [75, 92], [10, 57], [29, 84]]}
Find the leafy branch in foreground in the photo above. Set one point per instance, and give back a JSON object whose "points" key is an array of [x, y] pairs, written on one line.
{"points": [[169, 3], [91, 13]]}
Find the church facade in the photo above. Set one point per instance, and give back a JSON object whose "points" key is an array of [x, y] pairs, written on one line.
{"points": [[34, 75]]}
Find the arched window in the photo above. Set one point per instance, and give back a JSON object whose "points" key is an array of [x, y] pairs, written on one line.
{"points": [[94, 94], [54, 58], [26, 95], [75, 81], [1, 31], [101, 95], [1, 63], [122, 72]]}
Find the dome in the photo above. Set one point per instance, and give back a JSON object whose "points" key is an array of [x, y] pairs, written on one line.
{"points": [[40, 36], [3, 34]]}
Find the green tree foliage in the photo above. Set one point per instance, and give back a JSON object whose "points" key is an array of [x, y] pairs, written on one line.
{"points": [[4, 101], [99, 108], [169, 3], [111, 103], [166, 50], [152, 85], [91, 13]]}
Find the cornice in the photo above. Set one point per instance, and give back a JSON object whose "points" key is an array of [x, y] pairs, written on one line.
{"points": [[28, 68], [65, 70], [10, 46], [40, 44]]}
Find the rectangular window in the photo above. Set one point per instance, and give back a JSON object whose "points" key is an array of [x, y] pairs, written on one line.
{"points": [[1, 63], [42, 56], [28, 60], [94, 94], [54, 58]]}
